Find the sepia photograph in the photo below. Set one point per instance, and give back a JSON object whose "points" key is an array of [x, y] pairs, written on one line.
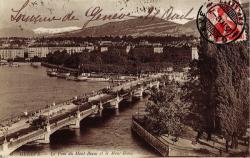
{"points": [[124, 78]]}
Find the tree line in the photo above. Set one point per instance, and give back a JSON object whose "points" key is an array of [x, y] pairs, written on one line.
{"points": [[114, 61], [150, 39]]}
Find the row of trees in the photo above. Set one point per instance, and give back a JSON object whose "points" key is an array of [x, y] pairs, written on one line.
{"points": [[214, 100], [112, 61], [218, 89], [152, 39]]}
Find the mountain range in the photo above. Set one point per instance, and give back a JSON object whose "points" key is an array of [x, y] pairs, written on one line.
{"points": [[135, 27]]}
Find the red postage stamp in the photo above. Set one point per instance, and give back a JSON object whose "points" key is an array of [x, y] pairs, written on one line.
{"points": [[222, 22]]}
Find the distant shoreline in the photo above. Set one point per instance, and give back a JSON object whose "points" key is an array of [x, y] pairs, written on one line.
{"points": [[27, 63]]}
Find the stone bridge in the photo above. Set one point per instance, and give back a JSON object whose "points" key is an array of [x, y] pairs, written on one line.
{"points": [[71, 117]]}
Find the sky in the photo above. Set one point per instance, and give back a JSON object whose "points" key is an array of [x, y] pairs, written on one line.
{"points": [[59, 8]]}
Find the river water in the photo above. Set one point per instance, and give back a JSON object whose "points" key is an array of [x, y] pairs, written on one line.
{"points": [[26, 88]]}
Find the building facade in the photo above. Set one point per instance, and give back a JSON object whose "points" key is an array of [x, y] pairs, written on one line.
{"points": [[104, 48], [71, 50], [11, 53], [40, 52], [158, 49], [195, 54]]}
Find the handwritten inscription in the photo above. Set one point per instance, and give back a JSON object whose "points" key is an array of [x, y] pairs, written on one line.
{"points": [[97, 14], [19, 16]]}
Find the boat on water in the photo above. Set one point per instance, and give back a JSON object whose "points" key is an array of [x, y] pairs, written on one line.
{"points": [[52, 73], [81, 78], [72, 78], [63, 75], [100, 79], [3, 62]]}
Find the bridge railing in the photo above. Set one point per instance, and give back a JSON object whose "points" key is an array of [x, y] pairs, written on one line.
{"points": [[22, 139], [62, 122], [32, 135], [67, 119]]}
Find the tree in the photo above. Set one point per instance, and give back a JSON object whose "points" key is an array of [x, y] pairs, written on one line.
{"points": [[232, 90], [194, 95], [166, 112], [218, 89]]}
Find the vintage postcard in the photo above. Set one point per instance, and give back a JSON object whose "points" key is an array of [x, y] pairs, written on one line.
{"points": [[124, 78]]}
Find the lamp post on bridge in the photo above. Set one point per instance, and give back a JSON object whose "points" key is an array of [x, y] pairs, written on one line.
{"points": [[5, 148], [48, 115], [4, 130], [78, 113]]}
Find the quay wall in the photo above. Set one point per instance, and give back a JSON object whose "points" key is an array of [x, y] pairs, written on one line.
{"points": [[163, 147], [59, 67], [157, 144]]}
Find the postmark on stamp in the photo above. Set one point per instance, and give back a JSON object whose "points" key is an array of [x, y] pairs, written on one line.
{"points": [[222, 22]]}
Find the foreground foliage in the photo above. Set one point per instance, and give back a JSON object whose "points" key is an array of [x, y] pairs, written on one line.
{"points": [[218, 89], [166, 112]]}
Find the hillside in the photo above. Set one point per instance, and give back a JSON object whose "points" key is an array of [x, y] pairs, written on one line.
{"points": [[133, 27]]}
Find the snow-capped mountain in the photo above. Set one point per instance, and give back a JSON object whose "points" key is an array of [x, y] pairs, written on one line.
{"points": [[43, 30]]}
